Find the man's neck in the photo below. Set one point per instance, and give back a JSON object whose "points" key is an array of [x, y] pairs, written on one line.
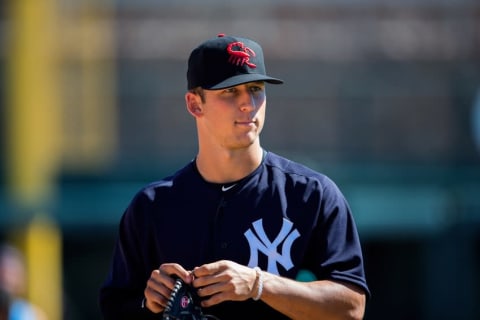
{"points": [[228, 166]]}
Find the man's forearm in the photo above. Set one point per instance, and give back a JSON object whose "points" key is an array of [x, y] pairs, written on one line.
{"points": [[313, 300]]}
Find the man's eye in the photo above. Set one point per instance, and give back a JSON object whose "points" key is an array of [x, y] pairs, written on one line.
{"points": [[229, 90], [256, 89]]}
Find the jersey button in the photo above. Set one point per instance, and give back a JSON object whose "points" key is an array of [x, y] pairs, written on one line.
{"points": [[224, 245]]}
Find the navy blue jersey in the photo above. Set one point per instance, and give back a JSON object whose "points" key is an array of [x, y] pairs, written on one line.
{"points": [[283, 217]]}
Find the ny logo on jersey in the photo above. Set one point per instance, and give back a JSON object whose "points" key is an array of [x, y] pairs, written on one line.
{"points": [[259, 241]]}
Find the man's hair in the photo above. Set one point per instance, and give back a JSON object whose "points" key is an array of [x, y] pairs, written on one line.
{"points": [[198, 91]]}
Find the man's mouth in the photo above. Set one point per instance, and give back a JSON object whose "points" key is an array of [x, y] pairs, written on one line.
{"points": [[246, 123]]}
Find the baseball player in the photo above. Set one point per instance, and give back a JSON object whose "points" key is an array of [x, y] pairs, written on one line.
{"points": [[238, 223]]}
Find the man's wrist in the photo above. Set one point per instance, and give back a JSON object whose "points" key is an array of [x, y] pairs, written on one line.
{"points": [[259, 283]]}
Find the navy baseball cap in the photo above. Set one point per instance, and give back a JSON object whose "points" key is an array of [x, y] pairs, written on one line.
{"points": [[226, 61]]}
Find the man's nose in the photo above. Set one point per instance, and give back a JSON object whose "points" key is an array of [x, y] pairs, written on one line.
{"points": [[247, 101]]}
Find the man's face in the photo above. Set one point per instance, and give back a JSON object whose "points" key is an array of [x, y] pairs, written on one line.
{"points": [[233, 117], [12, 274]]}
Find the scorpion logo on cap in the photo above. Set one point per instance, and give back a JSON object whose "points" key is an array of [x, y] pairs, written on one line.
{"points": [[240, 54]]}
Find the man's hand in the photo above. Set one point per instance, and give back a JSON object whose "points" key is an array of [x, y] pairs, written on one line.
{"points": [[161, 283], [224, 281]]}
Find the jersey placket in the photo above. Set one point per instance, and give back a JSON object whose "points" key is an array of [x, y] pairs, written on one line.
{"points": [[219, 244]]}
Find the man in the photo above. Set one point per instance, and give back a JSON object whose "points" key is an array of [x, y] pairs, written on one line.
{"points": [[238, 223]]}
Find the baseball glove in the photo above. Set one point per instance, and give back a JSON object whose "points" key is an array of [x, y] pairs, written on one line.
{"points": [[184, 304]]}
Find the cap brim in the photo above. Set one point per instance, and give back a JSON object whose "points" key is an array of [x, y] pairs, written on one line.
{"points": [[243, 78]]}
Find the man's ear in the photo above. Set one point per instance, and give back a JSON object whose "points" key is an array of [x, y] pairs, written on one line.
{"points": [[193, 104]]}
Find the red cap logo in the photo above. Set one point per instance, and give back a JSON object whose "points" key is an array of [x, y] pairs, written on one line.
{"points": [[240, 54]]}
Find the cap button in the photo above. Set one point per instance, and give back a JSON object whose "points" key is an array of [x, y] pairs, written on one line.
{"points": [[221, 35]]}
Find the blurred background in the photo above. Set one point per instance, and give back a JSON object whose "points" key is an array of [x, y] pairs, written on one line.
{"points": [[383, 96]]}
